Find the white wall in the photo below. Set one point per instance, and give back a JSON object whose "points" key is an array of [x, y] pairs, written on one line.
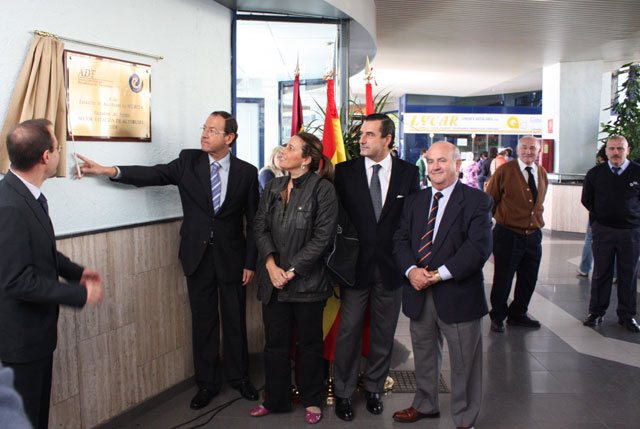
{"points": [[571, 96], [193, 80]]}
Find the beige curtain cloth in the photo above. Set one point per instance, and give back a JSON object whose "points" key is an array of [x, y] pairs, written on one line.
{"points": [[39, 93]]}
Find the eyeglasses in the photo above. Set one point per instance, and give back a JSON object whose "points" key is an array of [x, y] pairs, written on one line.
{"points": [[211, 131], [59, 149]]}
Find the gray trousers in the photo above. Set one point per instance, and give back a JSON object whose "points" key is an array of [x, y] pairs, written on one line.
{"points": [[385, 308], [465, 352]]}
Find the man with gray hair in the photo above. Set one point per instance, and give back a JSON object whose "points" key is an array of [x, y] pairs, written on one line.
{"points": [[518, 189], [441, 245], [611, 193]]}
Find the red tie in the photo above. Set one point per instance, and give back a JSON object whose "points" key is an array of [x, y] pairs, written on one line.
{"points": [[427, 239]]}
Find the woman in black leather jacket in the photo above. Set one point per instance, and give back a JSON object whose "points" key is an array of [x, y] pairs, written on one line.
{"points": [[295, 223]]}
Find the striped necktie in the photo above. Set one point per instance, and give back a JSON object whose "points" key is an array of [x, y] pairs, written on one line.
{"points": [[427, 239], [616, 170], [215, 186]]}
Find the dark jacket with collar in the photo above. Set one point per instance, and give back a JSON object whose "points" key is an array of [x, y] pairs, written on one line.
{"points": [[375, 237], [30, 291], [463, 244], [191, 173], [297, 235]]}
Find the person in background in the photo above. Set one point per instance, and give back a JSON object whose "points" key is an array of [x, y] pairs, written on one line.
{"points": [[586, 262], [518, 189], [11, 412], [294, 224], [611, 193], [271, 170], [469, 170], [508, 154], [485, 167], [498, 161], [421, 163]]}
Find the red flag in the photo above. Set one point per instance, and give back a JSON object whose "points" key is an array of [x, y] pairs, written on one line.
{"points": [[369, 99], [296, 115]]}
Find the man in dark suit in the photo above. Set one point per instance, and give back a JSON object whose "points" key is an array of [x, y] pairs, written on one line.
{"points": [[217, 191], [30, 291], [611, 193], [371, 189], [442, 243]]}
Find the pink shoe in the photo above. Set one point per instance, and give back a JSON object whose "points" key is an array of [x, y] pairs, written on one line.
{"points": [[311, 417], [259, 411]]}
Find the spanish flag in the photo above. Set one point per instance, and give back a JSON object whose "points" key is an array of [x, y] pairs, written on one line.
{"points": [[333, 145], [332, 135]]}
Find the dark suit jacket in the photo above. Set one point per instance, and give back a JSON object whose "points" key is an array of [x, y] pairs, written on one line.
{"points": [[190, 172], [375, 237], [29, 268], [463, 245]]}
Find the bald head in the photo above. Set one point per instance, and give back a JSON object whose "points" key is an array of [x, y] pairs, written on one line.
{"points": [[528, 149], [443, 164], [27, 141]]}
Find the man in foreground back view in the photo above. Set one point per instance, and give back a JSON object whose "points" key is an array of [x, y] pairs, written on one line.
{"points": [[30, 291]]}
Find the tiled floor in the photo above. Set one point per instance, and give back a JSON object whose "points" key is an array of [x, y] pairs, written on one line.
{"points": [[562, 376]]}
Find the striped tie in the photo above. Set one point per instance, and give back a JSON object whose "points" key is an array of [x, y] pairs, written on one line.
{"points": [[427, 239], [215, 186]]}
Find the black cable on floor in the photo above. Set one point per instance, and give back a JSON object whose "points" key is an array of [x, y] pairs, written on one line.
{"points": [[215, 412]]}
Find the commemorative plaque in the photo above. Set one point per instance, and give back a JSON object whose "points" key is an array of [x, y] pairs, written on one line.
{"points": [[108, 99]]}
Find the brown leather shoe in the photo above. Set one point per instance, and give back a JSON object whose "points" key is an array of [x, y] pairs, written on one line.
{"points": [[411, 415]]}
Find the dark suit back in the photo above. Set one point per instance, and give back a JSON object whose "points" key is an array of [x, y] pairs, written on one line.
{"points": [[375, 236], [190, 172], [463, 244], [29, 268]]}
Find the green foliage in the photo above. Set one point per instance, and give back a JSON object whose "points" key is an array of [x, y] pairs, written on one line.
{"points": [[351, 133], [627, 123]]}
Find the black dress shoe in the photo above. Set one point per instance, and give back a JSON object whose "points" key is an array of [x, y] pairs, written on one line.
{"points": [[630, 324], [344, 409], [246, 389], [374, 403], [202, 398], [497, 326], [592, 320], [524, 321]]}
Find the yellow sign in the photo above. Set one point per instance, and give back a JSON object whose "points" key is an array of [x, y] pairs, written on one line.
{"points": [[108, 99], [471, 123]]}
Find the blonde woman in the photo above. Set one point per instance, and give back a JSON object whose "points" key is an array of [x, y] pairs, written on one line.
{"points": [[271, 170]]}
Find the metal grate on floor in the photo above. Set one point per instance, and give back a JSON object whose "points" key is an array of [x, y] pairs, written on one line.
{"points": [[405, 382]]}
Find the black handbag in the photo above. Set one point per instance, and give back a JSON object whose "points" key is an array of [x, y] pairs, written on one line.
{"points": [[342, 254]]}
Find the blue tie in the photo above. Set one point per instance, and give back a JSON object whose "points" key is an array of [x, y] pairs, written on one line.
{"points": [[215, 186], [43, 202]]}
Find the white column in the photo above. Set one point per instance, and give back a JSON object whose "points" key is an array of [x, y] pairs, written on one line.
{"points": [[571, 112]]}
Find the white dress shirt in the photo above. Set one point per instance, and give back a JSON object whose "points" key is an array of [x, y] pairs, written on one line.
{"points": [[525, 173], [35, 191]]}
